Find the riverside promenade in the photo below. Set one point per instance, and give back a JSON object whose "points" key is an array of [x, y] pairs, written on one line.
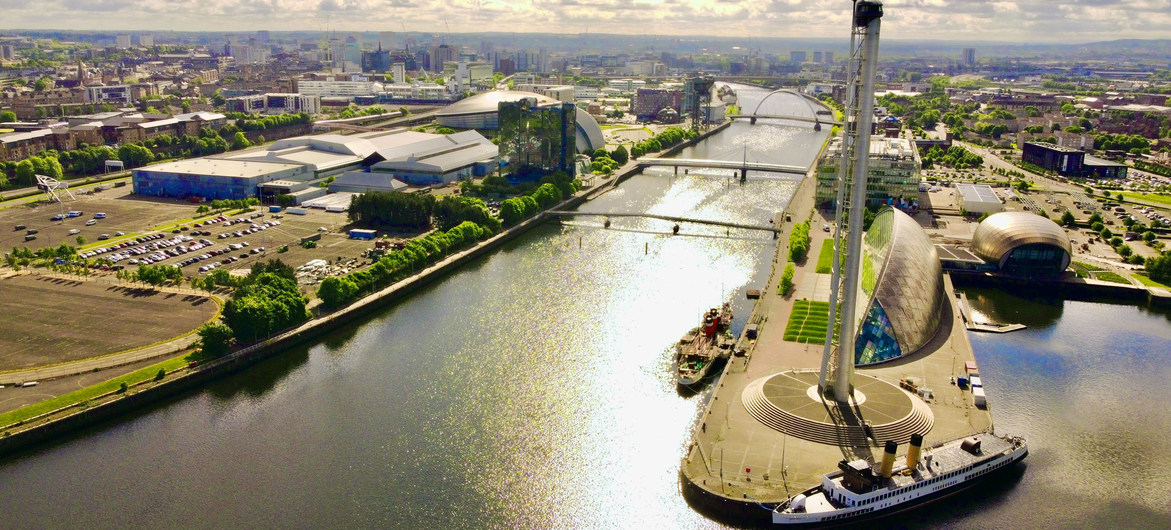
{"points": [[736, 465]]}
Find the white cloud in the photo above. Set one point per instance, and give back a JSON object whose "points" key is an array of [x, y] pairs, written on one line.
{"points": [[998, 20]]}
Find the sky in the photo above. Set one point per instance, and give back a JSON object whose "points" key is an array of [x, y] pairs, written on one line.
{"points": [[1021, 21]]}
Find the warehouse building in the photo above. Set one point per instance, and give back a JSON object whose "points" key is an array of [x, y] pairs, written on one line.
{"points": [[978, 199], [412, 157]]}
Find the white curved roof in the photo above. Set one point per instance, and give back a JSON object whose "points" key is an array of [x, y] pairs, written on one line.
{"points": [[489, 102], [589, 133]]}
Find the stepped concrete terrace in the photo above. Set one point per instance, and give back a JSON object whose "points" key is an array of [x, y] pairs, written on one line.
{"points": [[762, 438]]}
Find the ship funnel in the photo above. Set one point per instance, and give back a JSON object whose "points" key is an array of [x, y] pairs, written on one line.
{"points": [[888, 458], [913, 451]]}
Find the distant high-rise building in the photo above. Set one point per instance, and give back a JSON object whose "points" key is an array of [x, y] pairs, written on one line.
{"points": [[122, 40], [386, 40], [969, 57], [829, 57], [146, 39], [797, 57], [817, 57], [399, 72], [262, 35]]}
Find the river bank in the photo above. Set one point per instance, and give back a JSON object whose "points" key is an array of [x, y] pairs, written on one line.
{"points": [[69, 418]]}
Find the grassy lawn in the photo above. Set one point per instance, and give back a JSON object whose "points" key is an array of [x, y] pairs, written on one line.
{"points": [[1108, 276], [1088, 266], [1149, 282], [1149, 197], [808, 322], [91, 392], [825, 260]]}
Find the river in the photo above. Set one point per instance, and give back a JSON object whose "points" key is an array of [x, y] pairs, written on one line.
{"points": [[532, 389]]}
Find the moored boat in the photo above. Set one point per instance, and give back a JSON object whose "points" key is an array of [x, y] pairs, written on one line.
{"points": [[700, 347], [860, 490]]}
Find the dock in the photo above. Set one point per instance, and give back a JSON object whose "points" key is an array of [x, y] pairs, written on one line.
{"points": [[975, 324], [736, 464]]}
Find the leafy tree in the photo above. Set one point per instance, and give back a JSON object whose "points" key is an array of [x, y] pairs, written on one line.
{"points": [[1067, 218], [134, 155], [7, 116], [286, 200], [239, 141], [214, 339], [1159, 268], [452, 210], [620, 155], [265, 305]]}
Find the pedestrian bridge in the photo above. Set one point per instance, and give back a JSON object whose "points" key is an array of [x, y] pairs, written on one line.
{"points": [[743, 166], [806, 119], [563, 213]]}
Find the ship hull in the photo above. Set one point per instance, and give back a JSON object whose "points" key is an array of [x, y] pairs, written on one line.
{"points": [[827, 520]]}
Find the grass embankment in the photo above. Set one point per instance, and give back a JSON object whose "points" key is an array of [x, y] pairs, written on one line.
{"points": [[808, 322], [1088, 266], [825, 260], [1108, 276], [1149, 197], [1149, 282], [83, 396]]}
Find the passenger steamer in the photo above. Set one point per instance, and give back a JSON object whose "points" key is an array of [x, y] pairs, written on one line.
{"points": [[860, 491]]}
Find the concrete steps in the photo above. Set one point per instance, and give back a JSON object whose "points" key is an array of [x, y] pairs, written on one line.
{"points": [[920, 420]]}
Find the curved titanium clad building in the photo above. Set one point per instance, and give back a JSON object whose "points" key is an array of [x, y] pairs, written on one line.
{"points": [[902, 276], [480, 112], [1023, 244]]}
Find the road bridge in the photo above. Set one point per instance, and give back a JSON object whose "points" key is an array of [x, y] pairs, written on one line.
{"points": [[564, 213]]}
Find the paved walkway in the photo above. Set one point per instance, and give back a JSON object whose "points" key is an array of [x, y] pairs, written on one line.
{"points": [[735, 456]]}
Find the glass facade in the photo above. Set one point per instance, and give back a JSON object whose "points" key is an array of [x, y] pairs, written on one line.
{"points": [[538, 139], [903, 279], [893, 172]]}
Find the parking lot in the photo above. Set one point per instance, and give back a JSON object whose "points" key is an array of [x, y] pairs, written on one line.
{"points": [[161, 231]]}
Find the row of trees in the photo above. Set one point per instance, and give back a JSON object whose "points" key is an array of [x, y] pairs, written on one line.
{"points": [[250, 122], [664, 140], [955, 157], [799, 242], [418, 253], [392, 210], [1122, 142], [517, 209], [452, 210]]}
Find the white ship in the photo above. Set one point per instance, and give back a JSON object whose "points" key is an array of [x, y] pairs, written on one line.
{"points": [[860, 491]]}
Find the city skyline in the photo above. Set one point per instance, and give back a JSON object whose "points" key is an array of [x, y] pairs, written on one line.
{"points": [[1023, 21]]}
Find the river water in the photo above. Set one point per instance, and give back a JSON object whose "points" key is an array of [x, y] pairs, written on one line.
{"points": [[532, 389]]}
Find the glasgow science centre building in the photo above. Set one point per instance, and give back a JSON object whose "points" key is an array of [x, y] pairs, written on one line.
{"points": [[902, 276]]}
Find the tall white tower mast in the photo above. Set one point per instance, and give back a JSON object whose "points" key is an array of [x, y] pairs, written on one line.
{"points": [[837, 365]]}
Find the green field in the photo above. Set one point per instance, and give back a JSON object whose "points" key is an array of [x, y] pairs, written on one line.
{"points": [[825, 260], [1149, 197], [20, 415], [1088, 266], [1108, 276], [1149, 282], [808, 322]]}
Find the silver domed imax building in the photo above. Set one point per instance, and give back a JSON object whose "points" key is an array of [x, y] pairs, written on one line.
{"points": [[480, 112], [903, 279], [1022, 244]]}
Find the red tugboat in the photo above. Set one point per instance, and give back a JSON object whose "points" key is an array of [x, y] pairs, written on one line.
{"points": [[702, 345]]}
